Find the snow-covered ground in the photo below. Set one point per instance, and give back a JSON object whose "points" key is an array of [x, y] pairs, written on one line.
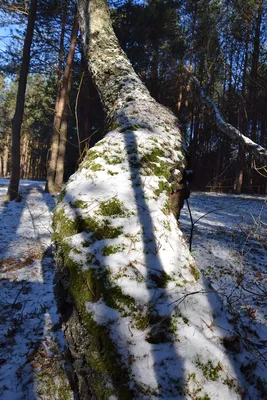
{"points": [[31, 341], [229, 245]]}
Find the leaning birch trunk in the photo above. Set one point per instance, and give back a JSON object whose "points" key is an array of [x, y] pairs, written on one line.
{"points": [[125, 278]]}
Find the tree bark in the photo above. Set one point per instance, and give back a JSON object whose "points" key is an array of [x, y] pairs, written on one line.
{"points": [[253, 84], [19, 111], [1, 166], [58, 140], [63, 105], [5, 157], [55, 135], [239, 173], [61, 152], [121, 258], [257, 151]]}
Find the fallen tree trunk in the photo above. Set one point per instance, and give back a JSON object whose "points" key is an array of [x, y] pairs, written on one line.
{"points": [[257, 151], [129, 291]]}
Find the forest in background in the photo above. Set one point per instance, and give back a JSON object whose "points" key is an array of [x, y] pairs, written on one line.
{"points": [[223, 43]]}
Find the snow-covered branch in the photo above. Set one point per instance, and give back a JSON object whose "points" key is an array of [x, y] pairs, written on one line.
{"points": [[259, 152]]}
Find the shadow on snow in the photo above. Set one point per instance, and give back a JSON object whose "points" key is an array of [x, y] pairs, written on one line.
{"points": [[27, 305]]}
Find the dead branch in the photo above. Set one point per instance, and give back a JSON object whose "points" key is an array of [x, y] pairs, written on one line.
{"points": [[259, 152]]}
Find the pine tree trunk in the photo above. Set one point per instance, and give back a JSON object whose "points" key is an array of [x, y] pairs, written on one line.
{"points": [[1, 166], [67, 87], [5, 158], [52, 154], [27, 150], [28, 158], [19, 111], [54, 179], [253, 85], [239, 173]]}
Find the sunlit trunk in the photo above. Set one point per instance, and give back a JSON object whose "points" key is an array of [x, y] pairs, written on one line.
{"points": [[19, 111], [5, 159], [121, 258], [54, 181]]}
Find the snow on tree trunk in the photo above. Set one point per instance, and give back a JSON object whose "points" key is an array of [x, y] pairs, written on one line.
{"points": [[121, 257]]}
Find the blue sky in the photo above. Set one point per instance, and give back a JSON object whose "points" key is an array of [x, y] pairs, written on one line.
{"points": [[4, 37]]}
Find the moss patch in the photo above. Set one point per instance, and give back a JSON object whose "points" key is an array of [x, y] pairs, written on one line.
{"points": [[112, 173], [96, 167], [166, 209], [112, 207], [100, 229], [155, 164], [209, 370], [153, 156], [102, 357], [107, 250], [79, 204], [92, 155], [62, 195], [194, 271], [163, 186], [53, 380], [88, 286], [67, 226], [112, 159]]}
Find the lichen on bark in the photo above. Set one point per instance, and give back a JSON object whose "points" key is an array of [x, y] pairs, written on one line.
{"points": [[121, 258]]}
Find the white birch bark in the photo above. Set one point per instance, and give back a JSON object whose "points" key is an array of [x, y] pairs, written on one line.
{"points": [[259, 152], [122, 262]]}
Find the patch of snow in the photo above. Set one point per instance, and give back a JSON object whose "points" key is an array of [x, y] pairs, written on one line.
{"points": [[229, 245], [32, 342]]}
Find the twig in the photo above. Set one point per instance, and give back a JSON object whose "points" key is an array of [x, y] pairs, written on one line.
{"points": [[16, 298], [193, 223], [255, 294], [181, 299]]}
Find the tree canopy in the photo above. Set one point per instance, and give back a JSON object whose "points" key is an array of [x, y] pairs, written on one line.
{"points": [[222, 43]]}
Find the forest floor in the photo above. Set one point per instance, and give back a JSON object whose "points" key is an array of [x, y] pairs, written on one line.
{"points": [[229, 245], [31, 341]]}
